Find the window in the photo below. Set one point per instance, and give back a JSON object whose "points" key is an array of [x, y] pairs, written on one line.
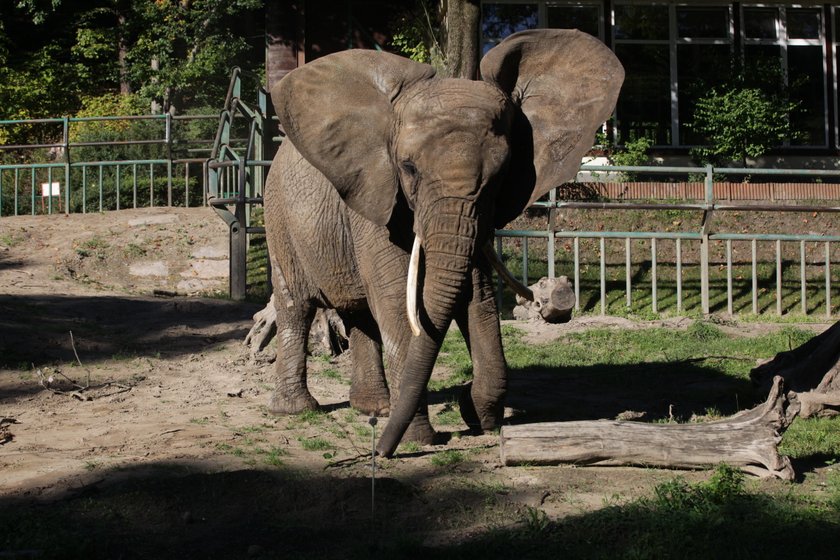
{"points": [[672, 55], [784, 51], [674, 51], [500, 20], [587, 18]]}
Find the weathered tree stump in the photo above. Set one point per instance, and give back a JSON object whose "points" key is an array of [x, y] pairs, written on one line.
{"points": [[554, 301], [327, 333], [748, 440], [814, 366]]}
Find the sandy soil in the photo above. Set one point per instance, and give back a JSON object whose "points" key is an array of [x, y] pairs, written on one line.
{"points": [[174, 395]]}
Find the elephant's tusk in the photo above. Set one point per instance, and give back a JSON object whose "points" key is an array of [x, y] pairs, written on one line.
{"points": [[505, 274], [411, 288]]}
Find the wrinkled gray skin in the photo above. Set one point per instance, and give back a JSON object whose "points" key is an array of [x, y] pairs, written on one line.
{"points": [[379, 151]]}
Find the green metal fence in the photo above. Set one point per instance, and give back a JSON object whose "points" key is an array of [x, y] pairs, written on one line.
{"points": [[797, 278], [61, 176]]}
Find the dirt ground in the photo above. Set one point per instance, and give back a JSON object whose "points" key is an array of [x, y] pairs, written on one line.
{"points": [[173, 436]]}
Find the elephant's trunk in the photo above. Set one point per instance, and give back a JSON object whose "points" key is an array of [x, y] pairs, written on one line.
{"points": [[448, 251]]}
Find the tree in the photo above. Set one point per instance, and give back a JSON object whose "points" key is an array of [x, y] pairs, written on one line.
{"points": [[744, 114], [443, 33], [741, 122]]}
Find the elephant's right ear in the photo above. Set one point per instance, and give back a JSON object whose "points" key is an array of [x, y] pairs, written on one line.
{"points": [[338, 112], [565, 84]]}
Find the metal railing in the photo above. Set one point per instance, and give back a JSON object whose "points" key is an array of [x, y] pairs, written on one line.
{"points": [[236, 175], [704, 237], [75, 184]]}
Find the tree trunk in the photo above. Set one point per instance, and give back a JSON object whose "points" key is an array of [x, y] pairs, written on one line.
{"points": [[814, 366], [748, 440], [283, 39], [460, 37], [122, 50]]}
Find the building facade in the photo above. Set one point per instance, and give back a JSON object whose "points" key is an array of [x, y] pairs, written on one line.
{"points": [[675, 51]]}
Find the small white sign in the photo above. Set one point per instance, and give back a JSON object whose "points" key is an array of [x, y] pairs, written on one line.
{"points": [[51, 189]]}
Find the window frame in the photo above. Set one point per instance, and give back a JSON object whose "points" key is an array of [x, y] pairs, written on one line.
{"points": [[783, 41]]}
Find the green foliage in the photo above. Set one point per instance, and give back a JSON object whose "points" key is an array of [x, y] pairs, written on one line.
{"points": [[741, 122], [415, 31], [634, 153]]}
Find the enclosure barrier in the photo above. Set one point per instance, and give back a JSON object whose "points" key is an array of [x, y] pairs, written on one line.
{"points": [[234, 174], [237, 179], [82, 186], [704, 237]]}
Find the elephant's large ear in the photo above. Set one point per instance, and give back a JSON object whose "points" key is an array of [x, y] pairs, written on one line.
{"points": [[338, 112], [565, 84]]}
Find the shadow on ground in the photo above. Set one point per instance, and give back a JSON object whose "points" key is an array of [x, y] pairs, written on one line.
{"points": [[171, 511], [36, 328]]}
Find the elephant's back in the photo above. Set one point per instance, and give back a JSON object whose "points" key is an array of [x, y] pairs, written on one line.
{"points": [[308, 232]]}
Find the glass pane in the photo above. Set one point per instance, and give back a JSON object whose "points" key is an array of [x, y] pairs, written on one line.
{"points": [[500, 20], [763, 67], [760, 23], [807, 86], [704, 23], [644, 106], [641, 22], [584, 18], [699, 68], [803, 23]]}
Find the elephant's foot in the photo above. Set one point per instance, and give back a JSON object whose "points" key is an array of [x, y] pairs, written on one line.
{"points": [[375, 406], [480, 415], [370, 398], [421, 431], [283, 403]]}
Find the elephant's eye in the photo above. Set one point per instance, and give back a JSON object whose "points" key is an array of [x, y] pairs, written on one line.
{"points": [[409, 168]]}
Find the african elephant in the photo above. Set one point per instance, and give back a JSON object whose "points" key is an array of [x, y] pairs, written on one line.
{"points": [[387, 188]]}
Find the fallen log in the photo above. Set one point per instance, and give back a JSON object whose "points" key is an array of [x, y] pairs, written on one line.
{"points": [[747, 440]]}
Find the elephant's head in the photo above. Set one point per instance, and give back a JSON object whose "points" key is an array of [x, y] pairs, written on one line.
{"points": [[467, 156]]}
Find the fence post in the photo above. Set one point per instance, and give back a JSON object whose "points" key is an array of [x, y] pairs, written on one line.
{"points": [[168, 159], [704, 241], [239, 241], [552, 210], [66, 126]]}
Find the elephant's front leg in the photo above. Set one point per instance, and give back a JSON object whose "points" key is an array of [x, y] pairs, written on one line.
{"points": [[368, 390], [482, 402], [291, 394]]}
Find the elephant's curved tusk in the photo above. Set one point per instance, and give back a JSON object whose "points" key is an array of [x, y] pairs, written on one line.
{"points": [[505, 274], [411, 288]]}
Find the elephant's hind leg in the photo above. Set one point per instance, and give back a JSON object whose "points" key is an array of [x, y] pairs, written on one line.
{"points": [[368, 390], [291, 394]]}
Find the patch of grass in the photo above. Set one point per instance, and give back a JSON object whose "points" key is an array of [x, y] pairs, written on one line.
{"points": [[132, 250], [812, 437], [310, 417], [714, 519], [409, 447], [447, 458], [332, 373], [231, 450], [315, 444], [10, 240], [200, 421], [273, 456], [450, 415]]}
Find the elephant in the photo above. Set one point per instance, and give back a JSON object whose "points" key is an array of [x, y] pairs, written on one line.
{"points": [[385, 193]]}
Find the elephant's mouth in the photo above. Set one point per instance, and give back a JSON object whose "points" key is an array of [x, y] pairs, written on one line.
{"points": [[411, 300]]}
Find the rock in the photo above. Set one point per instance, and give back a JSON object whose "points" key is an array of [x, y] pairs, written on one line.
{"points": [[554, 301]]}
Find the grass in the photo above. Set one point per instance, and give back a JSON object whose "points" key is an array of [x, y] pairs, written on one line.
{"points": [[447, 458], [719, 518], [315, 444]]}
